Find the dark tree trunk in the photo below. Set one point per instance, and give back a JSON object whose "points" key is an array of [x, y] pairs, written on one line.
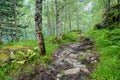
{"points": [[0, 34], [119, 10], [109, 6], [15, 21], [38, 25], [12, 36]]}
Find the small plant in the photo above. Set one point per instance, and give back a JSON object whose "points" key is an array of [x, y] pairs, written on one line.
{"points": [[21, 57], [62, 72], [81, 58]]}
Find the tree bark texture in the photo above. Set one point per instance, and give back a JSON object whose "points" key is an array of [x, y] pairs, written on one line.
{"points": [[0, 33], [38, 25]]}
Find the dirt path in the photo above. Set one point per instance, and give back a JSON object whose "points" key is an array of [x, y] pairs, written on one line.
{"points": [[71, 62]]}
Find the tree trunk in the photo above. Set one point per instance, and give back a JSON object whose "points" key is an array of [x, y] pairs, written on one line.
{"points": [[58, 24], [38, 25], [7, 35], [62, 18], [15, 23], [69, 20], [49, 29], [12, 36], [0, 33], [109, 6], [65, 18], [118, 10], [77, 20]]}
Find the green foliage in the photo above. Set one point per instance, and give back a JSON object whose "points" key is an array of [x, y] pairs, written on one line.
{"points": [[81, 58], [24, 61], [53, 39], [67, 37], [71, 36], [108, 44], [24, 43], [21, 57]]}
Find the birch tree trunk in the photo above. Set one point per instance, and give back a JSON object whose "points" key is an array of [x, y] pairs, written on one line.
{"points": [[70, 20], [77, 20], [58, 24], [38, 25], [49, 29]]}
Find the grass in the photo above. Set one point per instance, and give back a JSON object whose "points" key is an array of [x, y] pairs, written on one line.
{"points": [[25, 43], [108, 45]]}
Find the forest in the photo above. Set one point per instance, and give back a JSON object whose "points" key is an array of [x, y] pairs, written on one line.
{"points": [[59, 39]]}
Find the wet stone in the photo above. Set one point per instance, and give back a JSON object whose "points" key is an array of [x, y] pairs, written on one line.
{"points": [[72, 71]]}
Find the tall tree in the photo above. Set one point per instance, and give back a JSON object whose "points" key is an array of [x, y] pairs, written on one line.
{"points": [[118, 9], [38, 25], [0, 34], [70, 23], [58, 24], [15, 22], [49, 29], [109, 6], [9, 12]]}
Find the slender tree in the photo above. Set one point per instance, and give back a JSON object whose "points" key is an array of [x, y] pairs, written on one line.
{"points": [[118, 9], [70, 22], [109, 6], [0, 33], [58, 24], [15, 22], [49, 29], [38, 25]]}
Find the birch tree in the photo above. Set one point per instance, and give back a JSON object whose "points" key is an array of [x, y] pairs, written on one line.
{"points": [[38, 25]]}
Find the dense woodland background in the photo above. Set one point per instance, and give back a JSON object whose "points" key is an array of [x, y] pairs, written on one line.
{"points": [[32, 27], [17, 17]]}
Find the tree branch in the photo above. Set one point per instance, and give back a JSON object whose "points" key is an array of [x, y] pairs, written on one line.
{"points": [[66, 5]]}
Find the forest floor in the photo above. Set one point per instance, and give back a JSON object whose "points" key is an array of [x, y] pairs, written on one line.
{"points": [[73, 61]]}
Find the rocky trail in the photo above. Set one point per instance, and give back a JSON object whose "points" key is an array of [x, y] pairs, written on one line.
{"points": [[74, 61]]}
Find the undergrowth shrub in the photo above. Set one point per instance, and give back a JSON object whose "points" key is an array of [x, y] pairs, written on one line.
{"points": [[67, 37], [71, 36]]}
